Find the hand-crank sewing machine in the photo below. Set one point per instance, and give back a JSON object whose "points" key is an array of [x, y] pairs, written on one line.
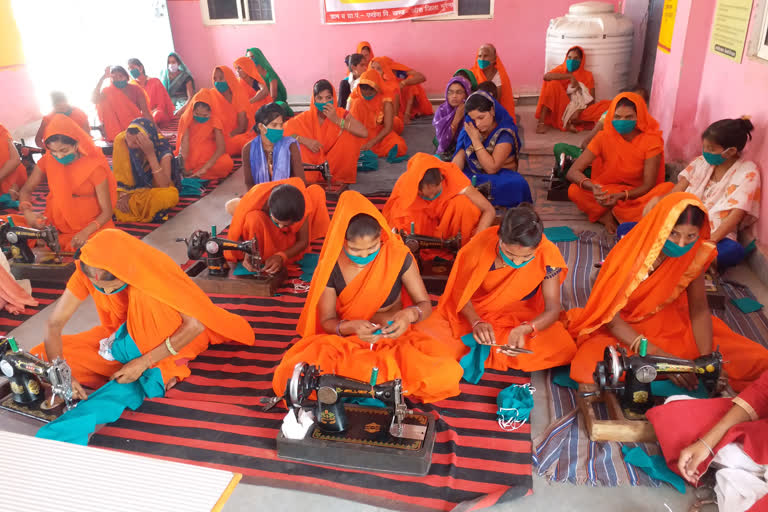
{"points": [[434, 271], [46, 263], [212, 273], [332, 189], [393, 439], [558, 184], [627, 401], [26, 373]]}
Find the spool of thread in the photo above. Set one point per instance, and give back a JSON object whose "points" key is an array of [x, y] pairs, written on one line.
{"points": [[213, 231], [374, 375], [413, 227]]}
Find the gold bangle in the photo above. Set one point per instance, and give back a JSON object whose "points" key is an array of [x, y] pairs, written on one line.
{"points": [[626, 195], [170, 347]]}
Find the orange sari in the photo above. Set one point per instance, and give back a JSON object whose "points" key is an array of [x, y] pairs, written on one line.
{"points": [[247, 65], [427, 370], [371, 114], [71, 203], [118, 107], [157, 292], [158, 100], [506, 97], [657, 305], [620, 165], [340, 149], [390, 88], [554, 96], [251, 221], [498, 297], [421, 104], [202, 140], [16, 177], [444, 217], [227, 111]]}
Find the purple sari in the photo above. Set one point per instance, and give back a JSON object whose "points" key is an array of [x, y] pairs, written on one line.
{"points": [[444, 117]]}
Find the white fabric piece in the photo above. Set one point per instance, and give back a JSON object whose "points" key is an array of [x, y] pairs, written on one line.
{"points": [[105, 347], [297, 429], [742, 482], [676, 398], [580, 99], [497, 79], [25, 284]]}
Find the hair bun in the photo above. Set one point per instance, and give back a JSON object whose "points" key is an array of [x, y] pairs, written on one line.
{"points": [[747, 124]]}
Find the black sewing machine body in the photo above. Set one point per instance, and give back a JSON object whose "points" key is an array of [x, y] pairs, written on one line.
{"points": [[35, 254], [558, 184], [26, 373], [212, 271], [634, 393], [434, 272], [392, 439], [332, 189]]}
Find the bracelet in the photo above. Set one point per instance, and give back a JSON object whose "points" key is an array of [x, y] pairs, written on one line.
{"points": [[158, 171], [169, 346], [626, 195], [633, 346], [282, 255], [534, 331], [23, 204], [342, 125], [708, 447], [338, 327], [478, 149], [478, 321], [421, 314], [581, 183]]}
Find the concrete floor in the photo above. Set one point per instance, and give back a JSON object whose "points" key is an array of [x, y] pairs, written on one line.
{"points": [[546, 496]]}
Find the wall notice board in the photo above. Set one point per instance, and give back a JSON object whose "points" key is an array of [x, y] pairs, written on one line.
{"points": [[729, 28]]}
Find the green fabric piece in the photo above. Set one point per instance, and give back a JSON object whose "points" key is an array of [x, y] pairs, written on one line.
{"points": [[366, 402], [471, 75], [474, 362], [260, 60], [747, 305], [562, 377], [656, 467], [308, 264], [515, 403], [571, 151], [392, 156], [7, 202], [107, 403], [368, 161], [560, 234], [667, 388], [751, 246], [192, 187], [240, 270]]}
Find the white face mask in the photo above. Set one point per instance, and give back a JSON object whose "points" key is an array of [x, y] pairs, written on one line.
{"points": [[173, 68]]}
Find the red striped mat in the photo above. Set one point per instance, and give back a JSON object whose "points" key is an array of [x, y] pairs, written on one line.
{"points": [[44, 293]]}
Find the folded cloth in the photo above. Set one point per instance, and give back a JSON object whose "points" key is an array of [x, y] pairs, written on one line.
{"points": [[240, 270], [474, 362], [392, 156], [308, 264], [560, 234], [192, 187], [7, 202], [655, 466], [515, 404], [747, 305], [368, 161], [580, 99]]}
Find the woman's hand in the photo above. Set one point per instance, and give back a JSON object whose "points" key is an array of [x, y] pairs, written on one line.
{"points": [[130, 371], [483, 333], [34, 219], [81, 237], [78, 393], [123, 202], [330, 112], [459, 114], [400, 323], [516, 338], [473, 132], [311, 144], [689, 460], [367, 146], [687, 381], [606, 199], [363, 329], [272, 264], [107, 72], [145, 143]]}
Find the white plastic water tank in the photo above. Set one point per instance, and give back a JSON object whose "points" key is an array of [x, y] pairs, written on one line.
{"points": [[606, 38]]}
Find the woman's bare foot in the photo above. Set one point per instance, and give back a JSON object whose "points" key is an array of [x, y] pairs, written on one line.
{"points": [[541, 128], [171, 383], [609, 222], [571, 128]]}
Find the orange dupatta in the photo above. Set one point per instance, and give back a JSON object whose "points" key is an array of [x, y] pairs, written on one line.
{"points": [[581, 74], [369, 112], [506, 97], [225, 110], [622, 284], [19, 175], [68, 212], [116, 109], [366, 293], [247, 65], [363, 44], [307, 124], [203, 142], [390, 86], [404, 204]]}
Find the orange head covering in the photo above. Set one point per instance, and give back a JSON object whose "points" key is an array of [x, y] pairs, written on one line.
{"points": [[390, 85], [187, 118], [157, 275], [363, 44], [581, 74], [238, 98], [645, 122], [307, 124], [629, 262], [380, 274], [507, 98], [368, 112], [256, 198], [247, 65]]}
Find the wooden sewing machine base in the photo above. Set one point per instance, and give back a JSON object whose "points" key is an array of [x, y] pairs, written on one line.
{"points": [[259, 286], [44, 269], [367, 445], [37, 410], [435, 275], [619, 427]]}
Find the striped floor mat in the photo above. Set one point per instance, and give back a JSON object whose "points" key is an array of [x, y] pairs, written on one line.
{"points": [[44, 293]]}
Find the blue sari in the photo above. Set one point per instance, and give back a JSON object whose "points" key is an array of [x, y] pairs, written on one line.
{"points": [[508, 187], [281, 160]]}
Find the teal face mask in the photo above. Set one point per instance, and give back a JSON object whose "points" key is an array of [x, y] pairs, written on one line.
{"points": [[68, 112], [624, 126], [120, 84], [135, 73], [572, 64], [362, 260], [102, 290], [511, 263], [321, 106], [200, 119], [65, 160], [714, 158], [274, 135], [433, 197], [369, 97], [222, 87], [483, 64], [675, 251]]}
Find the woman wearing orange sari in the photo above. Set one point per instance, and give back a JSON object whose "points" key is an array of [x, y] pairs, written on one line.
{"points": [[504, 289], [201, 140], [62, 106], [13, 174], [354, 317], [413, 98], [231, 106], [438, 200], [120, 102], [365, 49], [376, 112], [489, 68], [82, 189], [252, 84], [554, 97], [390, 89], [651, 286], [154, 319], [327, 133], [630, 169], [284, 217], [160, 103]]}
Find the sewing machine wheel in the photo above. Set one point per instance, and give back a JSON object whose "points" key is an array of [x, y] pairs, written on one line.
{"points": [[300, 385], [613, 365], [600, 376]]}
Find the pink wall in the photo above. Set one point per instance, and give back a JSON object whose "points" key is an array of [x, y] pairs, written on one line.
{"points": [[303, 50], [693, 87], [17, 98]]}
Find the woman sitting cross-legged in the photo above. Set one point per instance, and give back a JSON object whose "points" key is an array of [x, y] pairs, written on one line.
{"points": [[201, 140], [357, 315], [271, 156], [231, 107], [375, 111], [488, 148], [252, 84], [146, 173]]}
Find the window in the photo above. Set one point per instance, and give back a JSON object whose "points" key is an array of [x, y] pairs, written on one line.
{"points": [[223, 12], [762, 35], [466, 10]]}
